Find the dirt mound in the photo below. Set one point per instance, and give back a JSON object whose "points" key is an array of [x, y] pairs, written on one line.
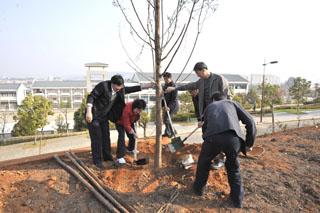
{"points": [[284, 179]]}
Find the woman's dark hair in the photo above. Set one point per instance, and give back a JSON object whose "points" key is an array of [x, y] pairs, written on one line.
{"points": [[139, 103], [218, 96], [167, 75], [117, 79]]}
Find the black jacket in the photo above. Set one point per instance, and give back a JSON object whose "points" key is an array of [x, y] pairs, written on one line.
{"points": [[195, 101], [171, 98], [100, 98], [224, 115]]}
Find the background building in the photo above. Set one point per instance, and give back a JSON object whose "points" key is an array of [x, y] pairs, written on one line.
{"points": [[256, 79], [61, 92], [11, 95]]}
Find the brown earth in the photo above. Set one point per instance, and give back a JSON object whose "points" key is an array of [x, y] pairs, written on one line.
{"points": [[284, 179]]}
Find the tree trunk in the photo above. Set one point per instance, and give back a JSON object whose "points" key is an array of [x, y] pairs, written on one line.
{"points": [[272, 112], [158, 155]]}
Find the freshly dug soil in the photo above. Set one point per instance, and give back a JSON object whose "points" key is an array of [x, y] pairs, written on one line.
{"points": [[284, 179]]}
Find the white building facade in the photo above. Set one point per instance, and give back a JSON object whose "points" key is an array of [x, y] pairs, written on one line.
{"points": [[11, 95], [61, 92]]}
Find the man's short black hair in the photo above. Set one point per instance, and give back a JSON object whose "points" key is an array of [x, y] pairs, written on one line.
{"points": [[139, 103], [167, 75], [218, 96], [117, 79], [199, 66]]}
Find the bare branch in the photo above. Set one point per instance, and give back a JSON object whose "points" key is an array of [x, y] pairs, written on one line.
{"points": [[184, 33], [130, 24], [175, 21], [138, 17]]}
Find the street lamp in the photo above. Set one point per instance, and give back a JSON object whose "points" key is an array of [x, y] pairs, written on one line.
{"points": [[262, 94]]}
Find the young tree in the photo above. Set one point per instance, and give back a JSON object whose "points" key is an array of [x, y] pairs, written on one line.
{"points": [[80, 123], [272, 96], [143, 122], [186, 102], [60, 123], [64, 106], [32, 114], [162, 28], [4, 121], [299, 90], [252, 97]]}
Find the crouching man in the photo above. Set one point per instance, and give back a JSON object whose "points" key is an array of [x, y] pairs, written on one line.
{"points": [[223, 134], [131, 113]]}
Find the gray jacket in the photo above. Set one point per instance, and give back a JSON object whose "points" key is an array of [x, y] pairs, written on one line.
{"points": [[224, 115], [217, 84]]}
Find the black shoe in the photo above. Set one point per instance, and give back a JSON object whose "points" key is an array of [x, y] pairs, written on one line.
{"points": [[99, 165], [165, 135], [108, 158], [197, 191], [237, 205]]}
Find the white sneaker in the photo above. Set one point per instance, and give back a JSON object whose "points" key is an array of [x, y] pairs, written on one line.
{"points": [[132, 151], [121, 160]]}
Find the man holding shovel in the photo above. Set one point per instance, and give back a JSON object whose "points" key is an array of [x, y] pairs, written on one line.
{"points": [[207, 85], [171, 107], [223, 134], [131, 113]]}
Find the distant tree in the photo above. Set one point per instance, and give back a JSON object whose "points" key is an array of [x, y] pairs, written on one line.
{"points": [[236, 98], [3, 121], [143, 122], [299, 90], [64, 106], [32, 114], [252, 97], [317, 99], [60, 123], [242, 97], [272, 96], [80, 123], [186, 102], [316, 90], [153, 113]]}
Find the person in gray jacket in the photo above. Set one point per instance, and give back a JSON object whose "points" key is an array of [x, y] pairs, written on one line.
{"points": [[223, 134], [207, 85]]}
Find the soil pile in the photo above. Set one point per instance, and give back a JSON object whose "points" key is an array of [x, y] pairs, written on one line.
{"points": [[284, 179]]}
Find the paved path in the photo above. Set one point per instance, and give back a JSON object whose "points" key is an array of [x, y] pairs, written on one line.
{"points": [[80, 141]]}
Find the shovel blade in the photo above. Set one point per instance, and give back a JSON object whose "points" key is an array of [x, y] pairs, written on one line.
{"points": [[175, 144]]}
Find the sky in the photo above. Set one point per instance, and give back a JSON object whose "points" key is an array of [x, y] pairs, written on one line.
{"points": [[41, 38]]}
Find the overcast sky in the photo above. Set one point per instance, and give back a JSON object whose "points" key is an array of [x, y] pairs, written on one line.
{"points": [[39, 38]]}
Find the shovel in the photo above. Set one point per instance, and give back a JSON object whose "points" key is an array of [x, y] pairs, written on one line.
{"points": [[177, 143], [142, 161]]}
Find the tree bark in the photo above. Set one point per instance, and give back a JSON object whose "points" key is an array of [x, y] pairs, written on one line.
{"points": [[158, 155]]}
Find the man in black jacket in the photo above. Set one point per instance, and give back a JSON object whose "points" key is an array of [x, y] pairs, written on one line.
{"points": [[172, 105], [104, 103], [223, 134]]}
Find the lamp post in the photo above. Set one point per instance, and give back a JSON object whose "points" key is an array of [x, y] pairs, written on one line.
{"points": [[262, 93]]}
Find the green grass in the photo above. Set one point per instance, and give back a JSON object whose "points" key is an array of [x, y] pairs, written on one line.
{"points": [[294, 111]]}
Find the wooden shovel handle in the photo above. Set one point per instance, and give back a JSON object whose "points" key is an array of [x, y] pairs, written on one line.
{"points": [[190, 134]]}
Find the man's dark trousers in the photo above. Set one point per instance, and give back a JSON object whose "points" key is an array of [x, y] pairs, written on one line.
{"points": [[100, 140], [229, 143], [121, 147], [169, 129]]}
